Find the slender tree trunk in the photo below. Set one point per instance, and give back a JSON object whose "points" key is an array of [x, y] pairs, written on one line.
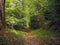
{"points": [[2, 13]]}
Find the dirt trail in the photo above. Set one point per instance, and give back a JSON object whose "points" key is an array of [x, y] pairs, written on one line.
{"points": [[30, 39]]}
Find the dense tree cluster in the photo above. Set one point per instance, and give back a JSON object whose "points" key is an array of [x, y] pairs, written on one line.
{"points": [[31, 14]]}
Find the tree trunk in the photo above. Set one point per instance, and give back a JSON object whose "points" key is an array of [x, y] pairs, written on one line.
{"points": [[2, 14]]}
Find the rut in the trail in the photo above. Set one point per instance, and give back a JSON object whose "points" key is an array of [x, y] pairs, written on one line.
{"points": [[30, 39]]}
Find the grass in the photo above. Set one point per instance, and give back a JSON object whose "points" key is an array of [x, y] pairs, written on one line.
{"points": [[18, 32], [38, 32], [42, 32]]}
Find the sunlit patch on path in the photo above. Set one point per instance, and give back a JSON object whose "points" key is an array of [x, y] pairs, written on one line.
{"points": [[30, 39]]}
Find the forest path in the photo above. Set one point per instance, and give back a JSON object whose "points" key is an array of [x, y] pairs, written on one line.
{"points": [[30, 39]]}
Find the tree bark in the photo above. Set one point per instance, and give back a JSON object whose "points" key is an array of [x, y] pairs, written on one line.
{"points": [[2, 13]]}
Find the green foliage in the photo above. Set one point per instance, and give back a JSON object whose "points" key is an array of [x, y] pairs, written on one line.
{"points": [[34, 22], [14, 15], [30, 13]]}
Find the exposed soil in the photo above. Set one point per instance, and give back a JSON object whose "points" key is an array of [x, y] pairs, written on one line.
{"points": [[30, 39]]}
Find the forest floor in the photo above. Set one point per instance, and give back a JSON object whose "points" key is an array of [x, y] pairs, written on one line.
{"points": [[41, 37], [30, 39], [33, 37]]}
